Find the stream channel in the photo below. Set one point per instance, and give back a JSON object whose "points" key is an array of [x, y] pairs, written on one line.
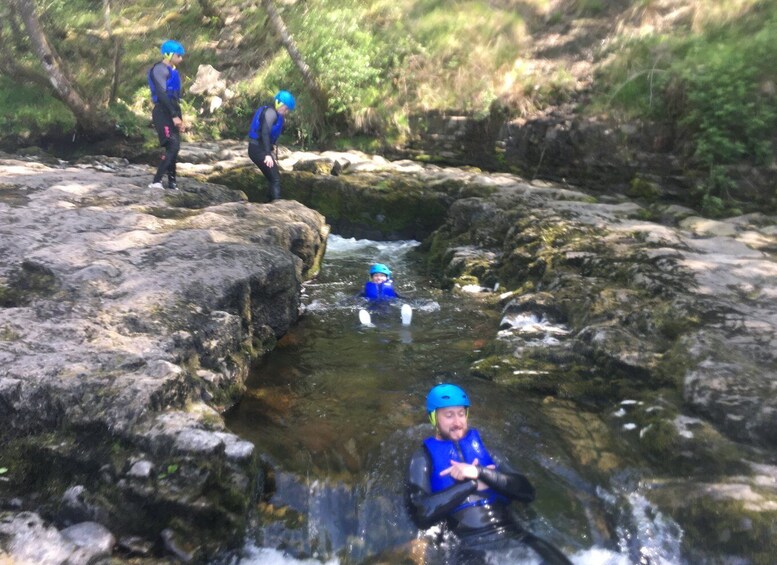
{"points": [[337, 409]]}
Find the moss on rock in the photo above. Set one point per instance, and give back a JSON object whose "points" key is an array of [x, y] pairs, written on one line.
{"points": [[374, 205], [724, 518]]}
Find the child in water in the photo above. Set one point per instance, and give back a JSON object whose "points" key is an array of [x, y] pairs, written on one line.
{"points": [[380, 286], [380, 289]]}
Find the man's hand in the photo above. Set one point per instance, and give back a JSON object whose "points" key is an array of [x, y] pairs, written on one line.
{"points": [[465, 471], [461, 471], [178, 122], [268, 162]]}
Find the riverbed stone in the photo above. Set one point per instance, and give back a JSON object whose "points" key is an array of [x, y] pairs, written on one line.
{"points": [[93, 540], [26, 538]]}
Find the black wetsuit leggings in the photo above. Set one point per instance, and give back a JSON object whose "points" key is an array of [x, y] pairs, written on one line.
{"points": [[170, 140], [272, 174], [549, 554]]}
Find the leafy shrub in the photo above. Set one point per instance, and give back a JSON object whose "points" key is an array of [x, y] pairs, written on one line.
{"points": [[127, 122], [725, 111], [714, 85]]}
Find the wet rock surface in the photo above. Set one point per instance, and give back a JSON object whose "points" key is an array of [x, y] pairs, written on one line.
{"points": [[128, 321], [690, 303], [665, 331], [657, 326]]}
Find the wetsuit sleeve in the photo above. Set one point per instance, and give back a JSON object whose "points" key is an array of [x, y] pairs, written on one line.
{"points": [[270, 117], [429, 508], [159, 75], [506, 480]]}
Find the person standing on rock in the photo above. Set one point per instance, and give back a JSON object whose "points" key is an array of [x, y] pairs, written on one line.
{"points": [[453, 478], [165, 84], [266, 128]]}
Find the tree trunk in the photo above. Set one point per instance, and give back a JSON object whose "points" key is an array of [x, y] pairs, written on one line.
{"points": [[10, 64], [117, 49], [90, 121], [320, 99]]}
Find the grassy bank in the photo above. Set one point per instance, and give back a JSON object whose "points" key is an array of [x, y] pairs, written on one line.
{"points": [[712, 77], [702, 66]]}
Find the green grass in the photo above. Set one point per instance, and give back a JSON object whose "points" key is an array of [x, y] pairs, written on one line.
{"points": [[24, 113], [378, 60], [716, 84]]}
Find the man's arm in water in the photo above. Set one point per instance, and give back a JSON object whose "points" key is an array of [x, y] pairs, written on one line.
{"points": [[428, 507]]}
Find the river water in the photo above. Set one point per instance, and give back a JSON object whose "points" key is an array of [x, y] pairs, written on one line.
{"points": [[337, 408]]}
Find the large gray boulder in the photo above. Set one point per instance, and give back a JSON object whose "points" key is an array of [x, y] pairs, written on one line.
{"points": [[128, 321]]}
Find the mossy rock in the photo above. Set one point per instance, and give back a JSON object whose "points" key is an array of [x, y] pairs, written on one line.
{"points": [[362, 205], [588, 437], [25, 283], [198, 498], [725, 518], [641, 187], [315, 166], [384, 206], [676, 444]]}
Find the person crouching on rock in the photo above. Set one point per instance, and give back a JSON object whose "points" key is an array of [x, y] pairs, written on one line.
{"points": [[266, 128]]}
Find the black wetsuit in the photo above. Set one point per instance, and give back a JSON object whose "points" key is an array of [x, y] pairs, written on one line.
{"points": [[266, 127], [166, 107], [483, 525]]}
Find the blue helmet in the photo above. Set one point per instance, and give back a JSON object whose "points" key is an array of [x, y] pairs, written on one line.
{"points": [[445, 395], [285, 97], [171, 47], [380, 268]]}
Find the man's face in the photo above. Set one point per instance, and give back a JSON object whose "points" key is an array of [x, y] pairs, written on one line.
{"points": [[379, 278], [176, 60], [452, 422]]}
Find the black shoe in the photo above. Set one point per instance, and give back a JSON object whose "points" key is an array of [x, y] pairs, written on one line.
{"points": [[172, 186]]}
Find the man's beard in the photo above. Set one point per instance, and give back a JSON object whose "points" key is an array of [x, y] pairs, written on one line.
{"points": [[460, 432]]}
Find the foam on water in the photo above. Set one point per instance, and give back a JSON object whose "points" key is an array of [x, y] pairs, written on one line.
{"points": [[253, 555], [341, 245]]}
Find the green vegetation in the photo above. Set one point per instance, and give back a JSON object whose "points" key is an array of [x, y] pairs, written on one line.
{"points": [[379, 61], [716, 84], [25, 114]]}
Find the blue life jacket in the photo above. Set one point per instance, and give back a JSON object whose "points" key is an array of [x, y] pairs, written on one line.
{"points": [[470, 447], [172, 87], [379, 291], [256, 126]]}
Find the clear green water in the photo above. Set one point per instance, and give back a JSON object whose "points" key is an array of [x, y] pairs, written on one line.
{"points": [[337, 409], [332, 391]]}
